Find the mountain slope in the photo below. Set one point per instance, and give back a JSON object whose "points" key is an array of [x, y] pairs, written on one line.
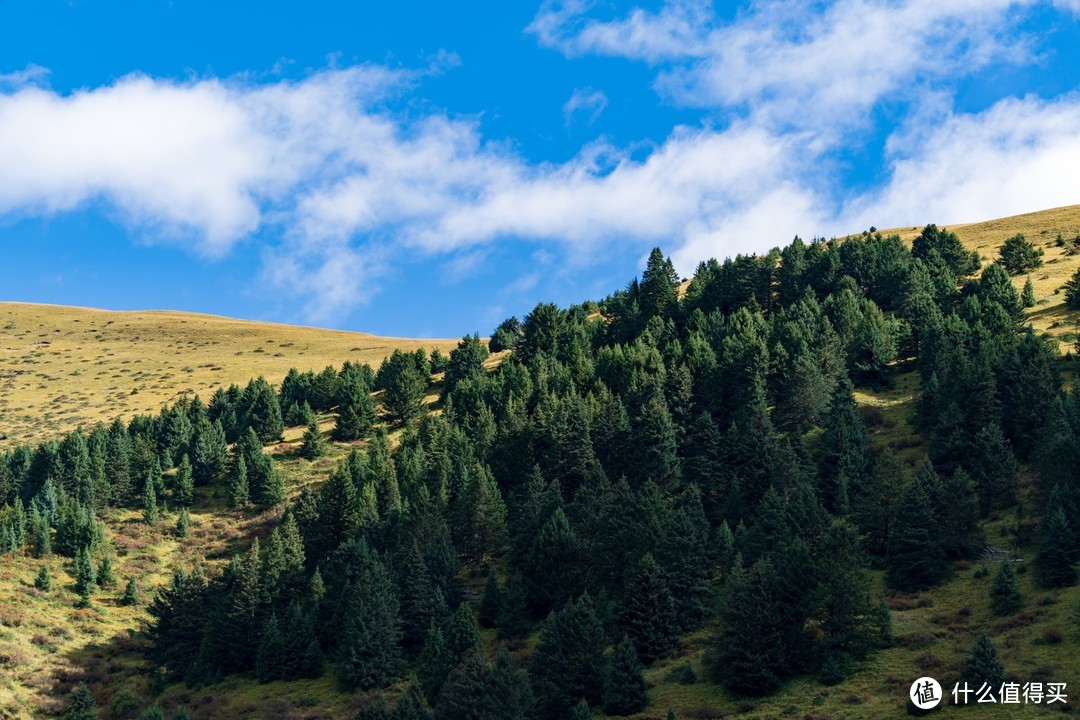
{"points": [[68, 367]]}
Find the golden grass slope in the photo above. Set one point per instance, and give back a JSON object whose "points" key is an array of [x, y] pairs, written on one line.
{"points": [[1042, 228], [67, 367]]}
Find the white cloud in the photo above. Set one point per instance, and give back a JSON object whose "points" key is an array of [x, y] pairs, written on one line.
{"points": [[593, 102]]}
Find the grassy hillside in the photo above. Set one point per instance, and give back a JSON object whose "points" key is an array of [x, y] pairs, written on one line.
{"points": [[1042, 228], [61, 368], [66, 367]]}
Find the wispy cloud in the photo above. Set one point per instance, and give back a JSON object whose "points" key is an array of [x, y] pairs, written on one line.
{"points": [[592, 102], [348, 188]]}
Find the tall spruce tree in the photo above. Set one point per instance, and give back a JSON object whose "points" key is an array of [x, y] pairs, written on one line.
{"points": [[568, 663], [1055, 559], [983, 666], [369, 650], [624, 685], [1005, 597], [81, 705], [915, 560], [649, 611], [313, 446], [356, 413]]}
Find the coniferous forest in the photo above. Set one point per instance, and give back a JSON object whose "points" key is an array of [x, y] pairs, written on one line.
{"points": [[597, 490]]}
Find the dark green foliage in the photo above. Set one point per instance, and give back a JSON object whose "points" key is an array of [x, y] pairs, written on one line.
{"points": [[983, 665], [268, 661], [1005, 597], [462, 633], [466, 362], [463, 693], [507, 694], [514, 615], [832, 672], [581, 711], [314, 445], [1055, 559], [149, 502], [238, 484], [265, 484], [552, 564], [649, 611], [105, 575], [81, 705], [434, 664], [261, 411], [624, 685], [569, 661], [369, 649], [1027, 295], [958, 514], [152, 713], [85, 577], [916, 560], [747, 653], [938, 245], [180, 713], [658, 287], [183, 483], [1072, 291], [505, 337], [1018, 255], [43, 581], [131, 594], [356, 413], [404, 378], [183, 523]]}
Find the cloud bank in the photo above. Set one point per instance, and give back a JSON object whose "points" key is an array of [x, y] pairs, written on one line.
{"points": [[346, 186]]}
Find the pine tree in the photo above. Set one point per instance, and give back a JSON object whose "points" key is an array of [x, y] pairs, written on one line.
{"points": [[356, 414], [268, 661], [105, 575], [514, 615], [369, 649], [149, 502], [624, 686], [85, 577], [184, 493], [916, 560], [1005, 598], [649, 611], [466, 362], [152, 713], [569, 661], [581, 711], [464, 690], [210, 453], [131, 594], [983, 665], [262, 411], [238, 484], [314, 446], [183, 523], [81, 705], [43, 581], [1027, 297], [180, 713], [434, 664], [462, 633], [1017, 255], [508, 693], [1055, 560], [746, 653], [551, 573], [995, 468]]}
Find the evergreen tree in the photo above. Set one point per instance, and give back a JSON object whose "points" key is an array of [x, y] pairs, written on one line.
{"points": [[569, 661], [268, 661], [658, 287], [314, 446], [105, 575], [131, 594], [238, 484], [916, 560], [183, 523], [995, 468], [551, 572], [624, 686], [210, 453], [184, 490], [462, 633], [43, 581], [1005, 598], [369, 649], [463, 692], [262, 411], [149, 502], [649, 611], [508, 694], [514, 614], [152, 713], [983, 665], [356, 414], [466, 362], [180, 713], [1072, 291], [265, 484], [1055, 559], [1027, 297], [746, 653], [958, 515], [434, 664], [81, 705], [85, 577], [581, 711], [1017, 255]]}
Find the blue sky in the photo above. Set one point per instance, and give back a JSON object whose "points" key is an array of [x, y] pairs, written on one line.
{"points": [[428, 168]]}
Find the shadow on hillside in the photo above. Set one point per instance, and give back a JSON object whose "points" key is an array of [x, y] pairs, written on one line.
{"points": [[115, 670]]}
